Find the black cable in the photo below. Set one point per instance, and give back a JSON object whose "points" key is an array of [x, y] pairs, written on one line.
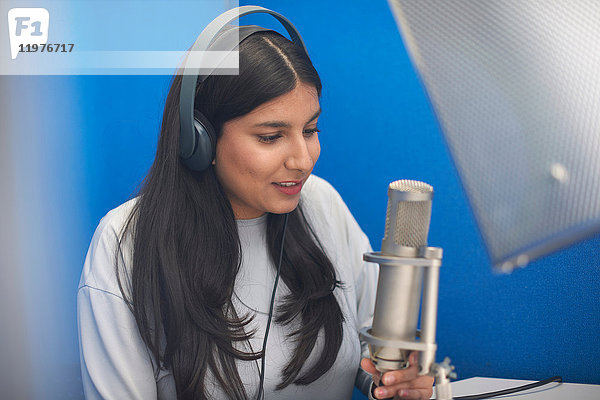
{"points": [[264, 349], [511, 390]]}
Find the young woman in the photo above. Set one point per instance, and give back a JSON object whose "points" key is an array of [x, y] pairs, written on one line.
{"points": [[176, 289]]}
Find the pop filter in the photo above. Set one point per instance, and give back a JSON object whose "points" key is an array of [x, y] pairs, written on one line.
{"points": [[516, 89]]}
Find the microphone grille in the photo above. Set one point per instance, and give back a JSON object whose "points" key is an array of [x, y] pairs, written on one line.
{"points": [[406, 185], [408, 215]]}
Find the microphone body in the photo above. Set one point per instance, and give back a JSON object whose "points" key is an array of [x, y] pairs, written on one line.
{"points": [[408, 282]]}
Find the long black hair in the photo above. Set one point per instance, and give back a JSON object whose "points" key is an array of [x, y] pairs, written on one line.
{"points": [[184, 230]]}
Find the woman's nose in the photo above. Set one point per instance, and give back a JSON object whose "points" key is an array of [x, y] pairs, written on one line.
{"points": [[299, 157]]}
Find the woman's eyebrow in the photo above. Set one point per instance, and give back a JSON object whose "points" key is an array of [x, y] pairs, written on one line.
{"points": [[283, 124]]}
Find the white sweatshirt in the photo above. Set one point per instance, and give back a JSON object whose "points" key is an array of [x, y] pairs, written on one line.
{"points": [[116, 364]]}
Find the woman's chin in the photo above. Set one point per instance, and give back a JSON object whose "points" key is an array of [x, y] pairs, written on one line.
{"points": [[285, 208]]}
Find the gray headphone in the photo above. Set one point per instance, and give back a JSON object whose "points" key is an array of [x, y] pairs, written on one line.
{"points": [[197, 138]]}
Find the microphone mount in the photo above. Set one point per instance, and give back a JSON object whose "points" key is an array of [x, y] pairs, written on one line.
{"points": [[429, 259]]}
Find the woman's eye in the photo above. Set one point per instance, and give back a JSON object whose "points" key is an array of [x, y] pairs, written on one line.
{"points": [[311, 132], [268, 138]]}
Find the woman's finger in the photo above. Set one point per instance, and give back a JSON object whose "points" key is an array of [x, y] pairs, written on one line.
{"points": [[401, 375], [419, 394], [421, 384], [367, 365], [415, 394]]}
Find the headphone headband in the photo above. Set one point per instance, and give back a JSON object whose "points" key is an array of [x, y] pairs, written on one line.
{"points": [[189, 141]]}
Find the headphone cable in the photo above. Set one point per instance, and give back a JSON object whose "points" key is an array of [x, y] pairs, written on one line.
{"points": [[264, 347]]}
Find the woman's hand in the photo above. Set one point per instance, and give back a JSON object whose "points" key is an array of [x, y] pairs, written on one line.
{"points": [[400, 384]]}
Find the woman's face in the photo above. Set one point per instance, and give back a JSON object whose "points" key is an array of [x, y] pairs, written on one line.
{"points": [[264, 157]]}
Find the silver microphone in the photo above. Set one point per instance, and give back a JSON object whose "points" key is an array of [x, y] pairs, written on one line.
{"points": [[408, 282]]}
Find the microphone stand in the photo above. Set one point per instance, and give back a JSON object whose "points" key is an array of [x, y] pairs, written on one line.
{"points": [[443, 372]]}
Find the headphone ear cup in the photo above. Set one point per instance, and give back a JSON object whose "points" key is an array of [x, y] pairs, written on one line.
{"points": [[204, 152]]}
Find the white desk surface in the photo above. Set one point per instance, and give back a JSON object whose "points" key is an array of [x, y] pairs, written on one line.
{"points": [[551, 391]]}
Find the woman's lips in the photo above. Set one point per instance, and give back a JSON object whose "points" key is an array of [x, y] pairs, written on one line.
{"points": [[289, 187]]}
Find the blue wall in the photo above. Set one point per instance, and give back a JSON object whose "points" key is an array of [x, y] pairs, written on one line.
{"points": [[378, 126], [93, 139]]}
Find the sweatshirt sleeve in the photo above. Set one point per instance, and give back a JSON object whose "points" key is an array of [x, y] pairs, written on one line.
{"points": [[354, 243], [365, 274], [115, 362]]}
